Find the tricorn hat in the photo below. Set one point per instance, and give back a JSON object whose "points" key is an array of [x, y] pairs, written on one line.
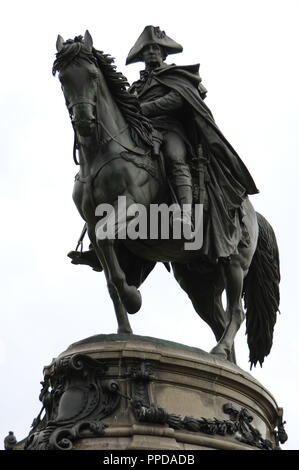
{"points": [[152, 35]]}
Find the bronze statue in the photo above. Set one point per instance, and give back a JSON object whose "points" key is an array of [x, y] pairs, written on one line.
{"points": [[116, 130]]}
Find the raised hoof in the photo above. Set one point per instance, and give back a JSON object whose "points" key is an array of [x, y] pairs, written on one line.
{"points": [[132, 301]]}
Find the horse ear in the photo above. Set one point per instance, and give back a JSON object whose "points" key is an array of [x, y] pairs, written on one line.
{"points": [[59, 43], [88, 39]]}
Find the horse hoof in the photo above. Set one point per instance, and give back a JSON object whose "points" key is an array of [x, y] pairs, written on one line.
{"points": [[125, 330], [133, 301], [219, 353]]}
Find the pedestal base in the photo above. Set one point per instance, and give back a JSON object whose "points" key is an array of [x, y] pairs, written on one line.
{"points": [[117, 392]]}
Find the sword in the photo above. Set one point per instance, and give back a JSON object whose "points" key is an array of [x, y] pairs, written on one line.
{"points": [[202, 165]]}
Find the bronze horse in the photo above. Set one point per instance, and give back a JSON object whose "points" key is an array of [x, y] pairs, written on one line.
{"points": [[114, 143]]}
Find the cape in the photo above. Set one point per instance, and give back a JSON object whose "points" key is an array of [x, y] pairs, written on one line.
{"points": [[187, 82], [228, 181]]}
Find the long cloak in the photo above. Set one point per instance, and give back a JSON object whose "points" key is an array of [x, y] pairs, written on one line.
{"points": [[228, 181]]}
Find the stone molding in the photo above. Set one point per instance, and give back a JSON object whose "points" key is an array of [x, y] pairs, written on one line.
{"points": [[132, 392]]}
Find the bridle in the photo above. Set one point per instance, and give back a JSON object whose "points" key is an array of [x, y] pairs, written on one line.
{"points": [[99, 124]]}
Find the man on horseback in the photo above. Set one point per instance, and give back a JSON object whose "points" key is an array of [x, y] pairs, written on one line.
{"points": [[172, 98], [201, 165], [197, 154]]}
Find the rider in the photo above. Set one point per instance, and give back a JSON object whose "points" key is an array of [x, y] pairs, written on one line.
{"points": [[172, 97], [163, 106]]}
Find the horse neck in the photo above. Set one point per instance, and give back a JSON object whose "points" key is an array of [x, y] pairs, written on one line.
{"points": [[110, 123], [110, 118]]}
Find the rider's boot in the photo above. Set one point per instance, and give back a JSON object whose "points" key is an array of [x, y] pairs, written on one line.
{"points": [[184, 196], [88, 258]]}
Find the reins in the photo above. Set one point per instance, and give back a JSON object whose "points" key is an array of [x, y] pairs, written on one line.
{"points": [[100, 124]]}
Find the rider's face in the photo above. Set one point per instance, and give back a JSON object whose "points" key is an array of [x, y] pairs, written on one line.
{"points": [[152, 55]]}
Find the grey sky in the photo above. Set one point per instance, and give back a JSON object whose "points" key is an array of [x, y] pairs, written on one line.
{"points": [[248, 51]]}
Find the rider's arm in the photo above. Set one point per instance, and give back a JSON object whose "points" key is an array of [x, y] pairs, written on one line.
{"points": [[172, 101]]}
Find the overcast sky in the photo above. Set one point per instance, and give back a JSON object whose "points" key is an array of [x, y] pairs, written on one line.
{"points": [[248, 51]]}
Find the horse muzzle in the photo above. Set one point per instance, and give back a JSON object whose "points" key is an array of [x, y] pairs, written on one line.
{"points": [[84, 127], [83, 118]]}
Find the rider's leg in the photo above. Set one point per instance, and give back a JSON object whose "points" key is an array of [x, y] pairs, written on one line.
{"points": [[178, 170]]}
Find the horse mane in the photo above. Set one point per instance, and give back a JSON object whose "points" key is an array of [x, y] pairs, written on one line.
{"points": [[139, 125]]}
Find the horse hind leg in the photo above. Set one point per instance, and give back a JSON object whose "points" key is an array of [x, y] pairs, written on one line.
{"points": [[234, 275], [205, 292], [222, 315]]}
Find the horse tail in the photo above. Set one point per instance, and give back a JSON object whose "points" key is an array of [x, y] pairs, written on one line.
{"points": [[261, 293]]}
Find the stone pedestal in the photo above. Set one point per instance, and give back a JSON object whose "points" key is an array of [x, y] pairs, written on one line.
{"points": [[128, 392]]}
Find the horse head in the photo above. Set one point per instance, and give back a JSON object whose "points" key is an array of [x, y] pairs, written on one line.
{"points": [[79, 76], [96, 94]]}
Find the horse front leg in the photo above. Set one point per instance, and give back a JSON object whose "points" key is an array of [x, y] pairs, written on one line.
{"points": [[234, 275], [129, 295], [120, 310], [107, 233]]}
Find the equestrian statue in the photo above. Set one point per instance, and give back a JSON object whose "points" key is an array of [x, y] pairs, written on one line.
{"points": [[153, 143]]}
